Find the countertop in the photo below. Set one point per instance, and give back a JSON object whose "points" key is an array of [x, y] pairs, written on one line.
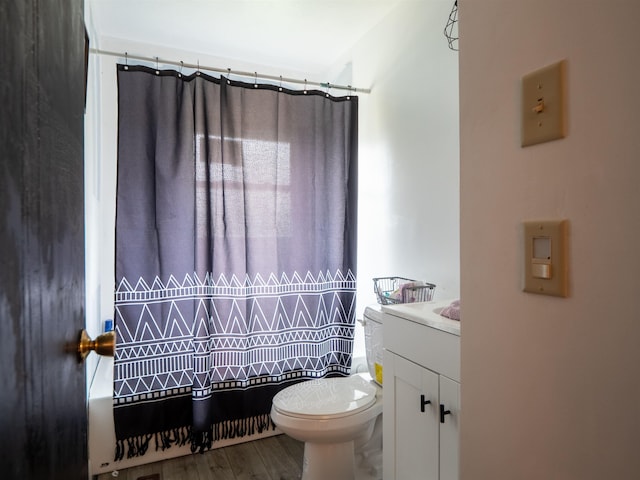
{"points": [[426, 313]]}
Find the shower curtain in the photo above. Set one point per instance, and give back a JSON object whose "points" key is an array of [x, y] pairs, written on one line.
{"points": [[235, 252]]}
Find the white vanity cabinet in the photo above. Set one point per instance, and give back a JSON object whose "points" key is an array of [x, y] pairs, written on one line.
{"points": [[421, 381]]}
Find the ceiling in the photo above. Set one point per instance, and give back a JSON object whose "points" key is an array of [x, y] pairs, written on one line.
{"points": [[296, 35]]}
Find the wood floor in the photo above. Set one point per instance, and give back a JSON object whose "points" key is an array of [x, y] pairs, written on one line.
{"points": [[273, 458]]}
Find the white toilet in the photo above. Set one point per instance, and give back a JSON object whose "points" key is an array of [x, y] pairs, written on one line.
{"points": [[336, 417]]}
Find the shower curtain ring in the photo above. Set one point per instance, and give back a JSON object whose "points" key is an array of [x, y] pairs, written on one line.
{"points": [[328, 88], [255, 79], [198, 70], [305, 86], [228, 76], [180, 72], [280, 87], [157, 67], [349, 92], [126, 61]]}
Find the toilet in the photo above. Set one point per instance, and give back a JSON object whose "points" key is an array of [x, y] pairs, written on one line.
{"points": [[336, 417]]}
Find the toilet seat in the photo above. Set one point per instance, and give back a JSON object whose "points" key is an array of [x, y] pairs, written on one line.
{"points": [[326, 398]]}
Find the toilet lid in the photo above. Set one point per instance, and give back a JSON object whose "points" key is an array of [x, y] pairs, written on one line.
{"points": [[326, 397]]}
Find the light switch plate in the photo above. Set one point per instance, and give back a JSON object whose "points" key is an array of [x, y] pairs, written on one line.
{"points": [[546, 274], [543, 107]]}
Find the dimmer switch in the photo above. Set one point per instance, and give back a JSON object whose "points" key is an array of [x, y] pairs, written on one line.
{"points": [[545, 269]]}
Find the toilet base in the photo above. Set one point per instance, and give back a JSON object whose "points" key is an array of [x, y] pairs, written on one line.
{"points": [[324, 461]]}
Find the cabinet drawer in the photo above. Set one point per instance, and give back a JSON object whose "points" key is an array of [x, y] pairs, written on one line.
{"points": [[432, 348]]}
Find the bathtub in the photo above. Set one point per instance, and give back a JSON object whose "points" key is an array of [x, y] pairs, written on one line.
{"points": [[102, 437]]}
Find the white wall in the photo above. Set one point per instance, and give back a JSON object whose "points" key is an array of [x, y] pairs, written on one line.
{"points": [[97, 239], [409, 154], [550, 386]]}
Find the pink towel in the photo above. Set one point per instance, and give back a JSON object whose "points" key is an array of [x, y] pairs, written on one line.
{"points": [[452, 311], [410, 296]]}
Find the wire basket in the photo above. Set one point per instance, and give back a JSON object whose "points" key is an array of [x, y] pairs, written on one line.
{"points": [[392, 290]]}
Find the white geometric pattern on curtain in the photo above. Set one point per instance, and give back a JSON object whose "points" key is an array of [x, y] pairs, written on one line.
{"points": [[235, 252]]}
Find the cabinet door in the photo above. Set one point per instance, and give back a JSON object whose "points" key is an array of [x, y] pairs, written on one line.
{"points": [[449, 428], [411, 420]]}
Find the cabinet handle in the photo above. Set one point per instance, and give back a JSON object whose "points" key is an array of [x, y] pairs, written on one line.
{"points": [[423, 403], [443, 412]]}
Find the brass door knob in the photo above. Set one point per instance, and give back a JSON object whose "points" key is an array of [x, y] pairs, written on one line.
{"points": [[104, 344]]}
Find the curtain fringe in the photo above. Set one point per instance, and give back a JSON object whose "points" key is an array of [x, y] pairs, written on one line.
{"points": [[200, 441], [134, 446], [138, 446]]}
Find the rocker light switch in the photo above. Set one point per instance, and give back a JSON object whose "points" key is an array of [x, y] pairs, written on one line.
{"points": [[540, 270], [545, 270]]}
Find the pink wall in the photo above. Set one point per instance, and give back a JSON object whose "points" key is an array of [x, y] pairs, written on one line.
{"points": [[550, 386]]}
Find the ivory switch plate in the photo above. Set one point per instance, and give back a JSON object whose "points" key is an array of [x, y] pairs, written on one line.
{"points": [[543, 106], [545, 257]]}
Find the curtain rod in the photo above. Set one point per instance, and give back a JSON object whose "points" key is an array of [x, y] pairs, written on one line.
{"points": [[238, 73]]}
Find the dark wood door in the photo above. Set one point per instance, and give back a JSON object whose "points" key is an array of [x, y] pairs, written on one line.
{"points": [[43, 420]]}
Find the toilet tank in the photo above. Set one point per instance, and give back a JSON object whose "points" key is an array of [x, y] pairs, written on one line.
{"points": [[372, 323]]}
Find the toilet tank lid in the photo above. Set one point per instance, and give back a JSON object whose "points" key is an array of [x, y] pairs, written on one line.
{"points": [[326, 397], [373, 312]]}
